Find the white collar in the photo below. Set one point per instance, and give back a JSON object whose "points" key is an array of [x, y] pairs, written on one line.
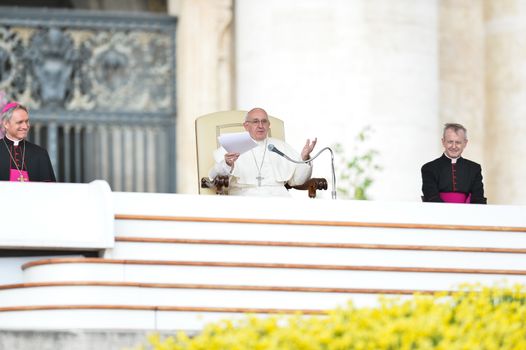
{"points": [[453, 160], [16, 142]]}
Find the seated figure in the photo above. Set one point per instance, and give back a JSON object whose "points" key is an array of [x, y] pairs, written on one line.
{"points": [[259, 172]]}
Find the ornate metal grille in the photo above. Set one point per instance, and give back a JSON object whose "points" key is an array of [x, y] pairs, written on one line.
{"points": [[101, 90]]}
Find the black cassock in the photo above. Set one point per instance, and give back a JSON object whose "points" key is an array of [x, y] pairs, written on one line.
{"points": [[36, 161], [440, 175]]}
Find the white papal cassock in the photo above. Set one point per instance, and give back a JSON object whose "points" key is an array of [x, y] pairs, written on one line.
{"points": [[259, 172]]}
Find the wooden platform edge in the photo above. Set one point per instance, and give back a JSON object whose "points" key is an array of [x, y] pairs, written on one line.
{"points": [[164, 308], [218, 287], [272, 266], [320, 245], [319, 223]]}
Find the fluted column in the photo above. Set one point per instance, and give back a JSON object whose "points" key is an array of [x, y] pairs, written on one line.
{"points": [[204, 74], [462, 71], [329, 68], [506, 101], [403, 66]]}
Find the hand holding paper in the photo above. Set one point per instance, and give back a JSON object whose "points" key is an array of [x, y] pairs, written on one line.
{"points": [[238, 142]]}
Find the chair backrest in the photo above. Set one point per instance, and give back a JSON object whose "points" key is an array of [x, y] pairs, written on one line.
{"points": [[208, 127]]}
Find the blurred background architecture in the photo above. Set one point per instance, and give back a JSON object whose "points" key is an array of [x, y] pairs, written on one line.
{"points": [[138, 73]]}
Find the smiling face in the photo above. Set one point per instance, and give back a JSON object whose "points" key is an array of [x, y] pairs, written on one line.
{"points": [[17, 127], [257, 124], [454, 142]]}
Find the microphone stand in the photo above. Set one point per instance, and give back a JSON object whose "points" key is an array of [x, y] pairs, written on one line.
{"points": [[333, 192]]}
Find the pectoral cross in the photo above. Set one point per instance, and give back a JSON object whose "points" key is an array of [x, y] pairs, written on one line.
{"points": [[259, 178], [21, 178]]}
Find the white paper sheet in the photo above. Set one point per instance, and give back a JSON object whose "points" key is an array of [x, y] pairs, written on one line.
{"points": [[237, 142]]}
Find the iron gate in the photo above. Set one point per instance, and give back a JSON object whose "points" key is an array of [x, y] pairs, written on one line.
{"points": [[101, 91]]}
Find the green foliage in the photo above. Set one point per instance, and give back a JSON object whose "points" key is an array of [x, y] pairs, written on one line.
{"points": [[356, 171], [472, 318]]}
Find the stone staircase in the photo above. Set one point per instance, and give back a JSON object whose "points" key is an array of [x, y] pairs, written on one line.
{"points": [[179, 261]]}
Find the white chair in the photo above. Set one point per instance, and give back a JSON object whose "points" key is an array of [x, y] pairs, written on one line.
{"points": [[208, 127]]}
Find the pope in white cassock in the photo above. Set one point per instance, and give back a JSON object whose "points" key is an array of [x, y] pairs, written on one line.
{"points": [[259, 172]]}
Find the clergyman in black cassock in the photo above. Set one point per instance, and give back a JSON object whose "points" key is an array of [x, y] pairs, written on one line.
{"points": [[21, 160], [452, 178], [36, 161], [464, 176]]}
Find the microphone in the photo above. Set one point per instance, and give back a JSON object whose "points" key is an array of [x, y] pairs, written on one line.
{"points": [[273, 148]]}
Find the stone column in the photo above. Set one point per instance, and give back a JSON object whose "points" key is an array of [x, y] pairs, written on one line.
{"points": [[462, 71], [204, 74], [403, 69], [329, 68], [506, 101]]}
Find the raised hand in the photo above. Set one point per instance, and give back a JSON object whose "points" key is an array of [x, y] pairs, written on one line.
{"points": [[307, 149]]}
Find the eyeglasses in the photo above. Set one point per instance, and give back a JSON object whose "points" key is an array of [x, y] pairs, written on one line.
{"points": [[263, 122]]}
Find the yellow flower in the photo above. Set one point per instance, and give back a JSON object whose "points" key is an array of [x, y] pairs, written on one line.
{"points": [[475, 317]]}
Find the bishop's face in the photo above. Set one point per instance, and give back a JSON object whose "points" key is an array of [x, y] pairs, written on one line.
{"points": [[454, 143], [18, 126]]}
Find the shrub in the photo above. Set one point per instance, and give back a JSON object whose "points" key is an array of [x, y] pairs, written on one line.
{"points": [[472, 318], [356, 171]]}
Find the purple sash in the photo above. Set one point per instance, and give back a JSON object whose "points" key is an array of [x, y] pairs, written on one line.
{"points": [[18, 176], [455, 197]]}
